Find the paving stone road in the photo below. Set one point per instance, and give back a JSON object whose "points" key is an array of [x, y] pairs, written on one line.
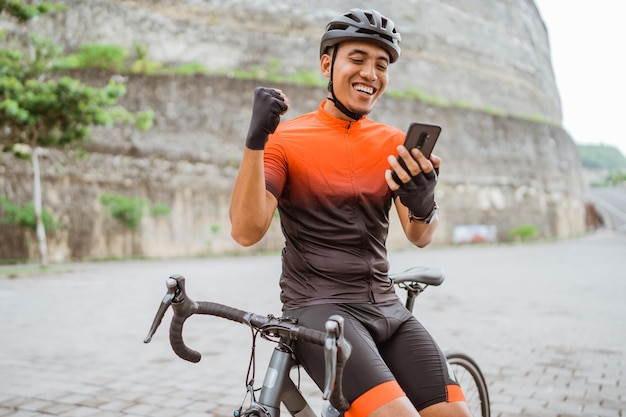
{"points": [[545, 321]]}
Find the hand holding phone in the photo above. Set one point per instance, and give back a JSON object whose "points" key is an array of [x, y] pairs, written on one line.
{"points": [[421, 136]]}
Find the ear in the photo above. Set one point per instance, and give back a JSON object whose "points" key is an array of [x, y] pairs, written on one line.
{"points": [[325, 63]]}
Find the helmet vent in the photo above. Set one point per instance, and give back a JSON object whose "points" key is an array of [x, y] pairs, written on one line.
{"points": [[339, 26], [374, 33], [353, 17]]}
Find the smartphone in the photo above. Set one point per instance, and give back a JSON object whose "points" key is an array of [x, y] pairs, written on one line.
{"points": [[421, 136]]}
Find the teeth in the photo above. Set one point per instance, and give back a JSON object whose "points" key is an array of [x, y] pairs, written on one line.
{"points": [[364, 89]]}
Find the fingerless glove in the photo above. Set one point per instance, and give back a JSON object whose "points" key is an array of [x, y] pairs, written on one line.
{"points": [[266, 110], [418, 194]]}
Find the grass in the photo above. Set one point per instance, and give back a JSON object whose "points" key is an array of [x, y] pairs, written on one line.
{"points": [[26, 270]]}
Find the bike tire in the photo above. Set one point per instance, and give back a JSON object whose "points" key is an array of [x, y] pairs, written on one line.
{"points": [[472, 381]]}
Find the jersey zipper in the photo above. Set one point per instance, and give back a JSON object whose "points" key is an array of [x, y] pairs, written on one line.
{"points": [[363, 248]]}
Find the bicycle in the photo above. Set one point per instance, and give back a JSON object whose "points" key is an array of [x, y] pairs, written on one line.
{"points": [[278, 387]]}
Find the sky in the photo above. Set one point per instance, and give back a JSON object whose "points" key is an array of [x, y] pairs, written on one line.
{"points": [[589, 63]]}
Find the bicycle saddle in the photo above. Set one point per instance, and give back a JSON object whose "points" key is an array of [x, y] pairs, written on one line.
{"points": [[420, 274]]}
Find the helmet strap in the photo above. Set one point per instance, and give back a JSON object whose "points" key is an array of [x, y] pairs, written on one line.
{"points": [[333, 98]]}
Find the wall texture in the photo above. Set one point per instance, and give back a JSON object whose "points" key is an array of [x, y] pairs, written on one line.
{"points": [[486, 58], [480, 53], [497, 170]]}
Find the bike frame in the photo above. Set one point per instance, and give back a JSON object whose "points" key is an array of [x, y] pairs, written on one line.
{"points": [[279, 388]]}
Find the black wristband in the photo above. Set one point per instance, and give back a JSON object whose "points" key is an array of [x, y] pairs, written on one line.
{"points": [[428, 219]]}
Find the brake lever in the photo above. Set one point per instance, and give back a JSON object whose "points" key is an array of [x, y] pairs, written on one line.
{"points": [[330, 356], [336, 350], [173, 293]]}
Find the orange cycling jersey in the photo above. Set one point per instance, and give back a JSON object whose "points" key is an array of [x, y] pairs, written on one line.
{"points": [[328, 176]]}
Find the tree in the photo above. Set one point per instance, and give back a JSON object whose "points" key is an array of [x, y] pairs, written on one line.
{"points": [[40, 109], [601, 157]]}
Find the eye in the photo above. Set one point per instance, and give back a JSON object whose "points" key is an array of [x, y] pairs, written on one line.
{"points": [[357, 61]]}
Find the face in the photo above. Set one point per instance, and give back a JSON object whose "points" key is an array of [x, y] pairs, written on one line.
{"points": [[359, 78]]}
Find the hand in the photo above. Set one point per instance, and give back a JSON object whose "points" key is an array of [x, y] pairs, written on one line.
{"points": [[269, 105], [416, 189]]}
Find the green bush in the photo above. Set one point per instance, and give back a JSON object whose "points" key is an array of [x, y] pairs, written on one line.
{"points": [[24, 216], [129, 210], [523, 232], [616, 178], [108, 57], [158, 210]]}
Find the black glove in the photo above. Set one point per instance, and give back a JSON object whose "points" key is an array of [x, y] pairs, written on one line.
{"points": [[418, 194], [266, 110]]}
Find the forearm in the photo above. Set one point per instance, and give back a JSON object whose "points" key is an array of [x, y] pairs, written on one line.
{"points": [[250, 211], [421, 234], [418, 233]]}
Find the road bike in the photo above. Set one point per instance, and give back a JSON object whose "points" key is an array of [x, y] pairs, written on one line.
{"points": [[278, 387]]}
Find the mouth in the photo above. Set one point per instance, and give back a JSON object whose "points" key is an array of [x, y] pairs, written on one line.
{"points": [[366, 89]]}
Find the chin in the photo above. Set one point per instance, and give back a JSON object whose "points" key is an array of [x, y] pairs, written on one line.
{"points": [[364, 110]]}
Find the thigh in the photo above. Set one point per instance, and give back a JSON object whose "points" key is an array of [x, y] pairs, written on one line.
{"points": [[364, 356], [419, 365]]}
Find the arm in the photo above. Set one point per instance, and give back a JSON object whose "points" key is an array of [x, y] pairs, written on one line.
{"points": [[415, 197], [419, 234], [252, 206]]}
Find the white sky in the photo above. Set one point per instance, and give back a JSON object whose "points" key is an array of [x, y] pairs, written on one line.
{"points": [[589, 61]]}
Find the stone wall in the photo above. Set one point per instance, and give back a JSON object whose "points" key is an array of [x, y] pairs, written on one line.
{"points": [[497, 170], [478, 57], [483, 54]]}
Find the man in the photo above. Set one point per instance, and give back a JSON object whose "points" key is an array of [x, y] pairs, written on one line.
{"points": [[330, 174]]}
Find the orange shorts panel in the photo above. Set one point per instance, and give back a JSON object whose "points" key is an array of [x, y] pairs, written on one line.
{"points": [[455, 394], [374, 398]]}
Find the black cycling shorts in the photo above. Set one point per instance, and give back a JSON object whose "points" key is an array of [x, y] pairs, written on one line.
{"points": [[392, 356]]}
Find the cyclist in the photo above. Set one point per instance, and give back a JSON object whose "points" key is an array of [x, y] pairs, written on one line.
{"points": [[329, 173]]}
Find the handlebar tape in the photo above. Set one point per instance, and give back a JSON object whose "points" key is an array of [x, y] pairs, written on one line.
{"points": [[311, 336], [202, 307], [290, 331], [220, 310], [177, 343]]}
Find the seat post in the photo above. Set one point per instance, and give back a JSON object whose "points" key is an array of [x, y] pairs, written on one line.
{"points": [[412, 291]]}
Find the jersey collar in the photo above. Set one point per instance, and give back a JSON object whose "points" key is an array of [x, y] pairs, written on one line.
{"points": [[332, 121]]}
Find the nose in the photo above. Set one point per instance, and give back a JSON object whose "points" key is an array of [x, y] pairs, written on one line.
{"points": [[368, 71]]}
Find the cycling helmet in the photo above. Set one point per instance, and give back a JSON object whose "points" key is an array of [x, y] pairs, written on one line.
{"points": [[366, 25]]}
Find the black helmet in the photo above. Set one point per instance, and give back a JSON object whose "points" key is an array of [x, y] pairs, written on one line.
{"points": [[365, 25]]}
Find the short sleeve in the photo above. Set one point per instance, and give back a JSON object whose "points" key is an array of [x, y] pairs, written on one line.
{"points": [[275, 166]]}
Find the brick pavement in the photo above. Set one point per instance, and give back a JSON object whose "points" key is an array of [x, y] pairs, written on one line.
{"points": [[545, 322]]}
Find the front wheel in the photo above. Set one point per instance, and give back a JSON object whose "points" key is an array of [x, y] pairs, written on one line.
{"points": [[472, 382]]}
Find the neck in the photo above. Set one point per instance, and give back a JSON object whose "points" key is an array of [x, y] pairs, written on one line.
{"points": [[334, 111]]}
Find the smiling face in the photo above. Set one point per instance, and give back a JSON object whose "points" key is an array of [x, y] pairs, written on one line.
{"points": [[359, 77]]}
